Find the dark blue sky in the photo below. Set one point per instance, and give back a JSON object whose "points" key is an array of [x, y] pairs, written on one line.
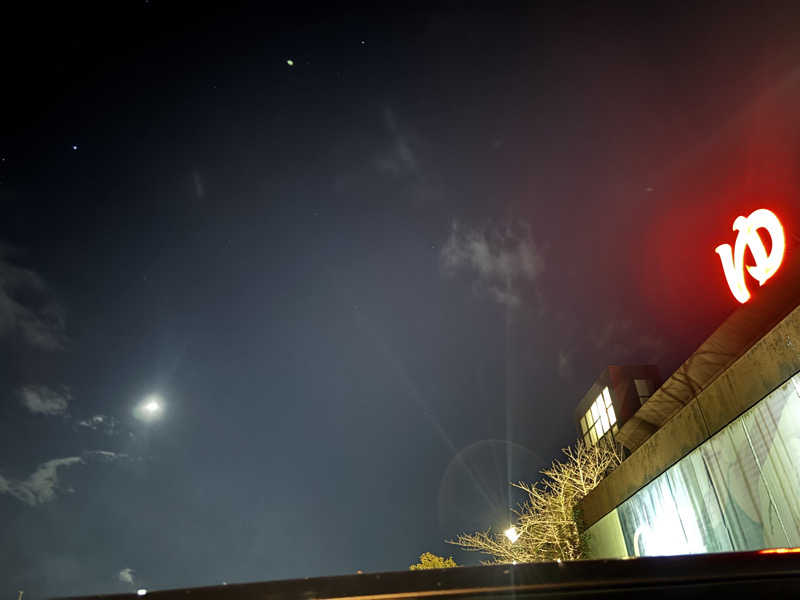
{"points": [[369, 288]]}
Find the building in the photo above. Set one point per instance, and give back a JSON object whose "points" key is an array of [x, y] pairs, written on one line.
{"points": [[714, 451], [614, 398]]}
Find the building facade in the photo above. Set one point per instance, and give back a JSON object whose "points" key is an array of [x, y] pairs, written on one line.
{"points": [[714, 461], [615, 396]]}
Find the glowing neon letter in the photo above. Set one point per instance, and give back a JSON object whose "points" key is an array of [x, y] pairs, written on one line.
{"points": [[766, 264]]}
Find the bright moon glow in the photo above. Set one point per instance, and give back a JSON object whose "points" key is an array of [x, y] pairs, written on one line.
{"points": [[290, 62], [766, 264], [512, 534], [149, 409], [141, 592]]}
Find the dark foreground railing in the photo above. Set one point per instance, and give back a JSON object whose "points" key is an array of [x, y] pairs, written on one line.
{"points": [[737, 575]]}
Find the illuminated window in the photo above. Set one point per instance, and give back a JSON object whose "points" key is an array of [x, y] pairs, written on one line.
{"points": [[599, 419], [607, 396]]}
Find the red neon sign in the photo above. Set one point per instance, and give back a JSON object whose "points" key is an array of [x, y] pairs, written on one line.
{"points": [[766, 264]]}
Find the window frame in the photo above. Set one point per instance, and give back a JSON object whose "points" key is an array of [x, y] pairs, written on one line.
{"points": [[599, 419]]}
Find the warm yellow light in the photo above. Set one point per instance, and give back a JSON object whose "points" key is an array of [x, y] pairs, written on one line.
{"points": [[512, 534], [766, 264], [779, 551]]}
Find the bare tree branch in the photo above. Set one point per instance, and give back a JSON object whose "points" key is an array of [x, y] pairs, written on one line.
{"points": [[547, 522]]}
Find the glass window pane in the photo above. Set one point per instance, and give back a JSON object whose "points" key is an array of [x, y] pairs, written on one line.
{"points": [[773, 429], [604, 424], [735, 474], [699, 511], [595, 410], [607, 396], [612, 416], [677, 513], [650, 521]]}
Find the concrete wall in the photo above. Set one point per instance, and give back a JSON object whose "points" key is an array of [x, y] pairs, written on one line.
{"points": [[764, 367]]}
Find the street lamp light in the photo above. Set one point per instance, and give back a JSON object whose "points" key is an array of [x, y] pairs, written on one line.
{"points": [[512, 534]]}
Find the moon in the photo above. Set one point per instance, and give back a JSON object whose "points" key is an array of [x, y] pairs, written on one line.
{"points": [[150, 409]]}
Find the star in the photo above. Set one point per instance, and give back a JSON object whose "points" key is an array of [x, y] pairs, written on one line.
{"points": [[290, 62], [74, 147]]}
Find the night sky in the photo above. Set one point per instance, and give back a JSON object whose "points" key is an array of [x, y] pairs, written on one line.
{"points": [[368, 288]]}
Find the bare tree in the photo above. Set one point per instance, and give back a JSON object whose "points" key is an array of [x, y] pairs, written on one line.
{"points": [[548, 525]]}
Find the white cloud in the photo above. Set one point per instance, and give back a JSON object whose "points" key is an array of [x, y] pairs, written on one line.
{"points": [[400, 159], [104, 455], [41, 485], [104, 423], [507, 297], [126, 575], [27, 308], [92, 422], [498, 258], [40, 399]]}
